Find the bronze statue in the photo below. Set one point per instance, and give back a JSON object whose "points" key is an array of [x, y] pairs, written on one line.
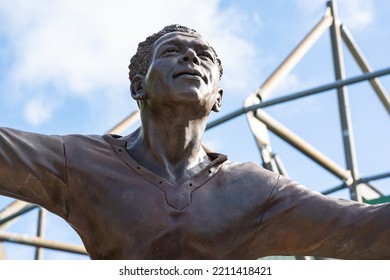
{"points": [[156, 194]]}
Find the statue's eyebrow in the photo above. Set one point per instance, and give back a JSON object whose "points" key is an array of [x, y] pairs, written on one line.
{"points": [[176, 41]]}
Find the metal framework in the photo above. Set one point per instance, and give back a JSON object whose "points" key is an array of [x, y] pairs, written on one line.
{"points": [[260, 124]]}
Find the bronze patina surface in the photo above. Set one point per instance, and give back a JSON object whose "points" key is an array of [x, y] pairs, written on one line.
{"points": [[156, 194]]}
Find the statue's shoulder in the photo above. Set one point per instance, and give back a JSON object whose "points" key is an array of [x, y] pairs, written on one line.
{"points": [[83, 139], [250, 170], [248, 167]]}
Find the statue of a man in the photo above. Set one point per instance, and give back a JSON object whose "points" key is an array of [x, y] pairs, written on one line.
{"points": [[156, 194]]}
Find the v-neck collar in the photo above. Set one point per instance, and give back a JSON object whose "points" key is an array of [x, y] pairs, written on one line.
{"points": [[177, 196]]}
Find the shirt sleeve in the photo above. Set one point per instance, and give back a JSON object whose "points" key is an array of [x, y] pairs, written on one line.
{"points": [[32, 168], [302, 222]]}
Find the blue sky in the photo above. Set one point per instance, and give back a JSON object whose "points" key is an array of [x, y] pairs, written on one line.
{"points": [[63, 69]]}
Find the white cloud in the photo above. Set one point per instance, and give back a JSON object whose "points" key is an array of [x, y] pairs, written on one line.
{"points": [[290, 82], [356, 14], [38, 110], [82, 48], [309, 7]]}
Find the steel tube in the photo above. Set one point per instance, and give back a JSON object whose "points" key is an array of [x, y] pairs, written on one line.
{"points": [[125, 123], [16, 214], [282, 170], [299, 94], [12, 207], [364, 66], [301, 145], [374, 177], [335, 189], [361, 180], [343, 100], [294, 57], [40, 231], [36, 241], [2, 251], [260, 135]]}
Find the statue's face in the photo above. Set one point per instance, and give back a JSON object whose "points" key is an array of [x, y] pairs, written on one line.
{"points": [[184, 69]]}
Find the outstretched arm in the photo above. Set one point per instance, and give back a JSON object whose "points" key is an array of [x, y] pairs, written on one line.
{"points": [[303, 222], [32, 168]]}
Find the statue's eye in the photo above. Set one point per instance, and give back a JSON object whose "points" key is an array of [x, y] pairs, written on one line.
{"points": [[170, 50], [207, 55]]}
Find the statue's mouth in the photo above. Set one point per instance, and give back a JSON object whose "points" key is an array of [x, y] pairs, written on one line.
{"points": [[190, 72]]}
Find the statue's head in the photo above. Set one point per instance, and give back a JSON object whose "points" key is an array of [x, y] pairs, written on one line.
{"points": [[140, 62]]}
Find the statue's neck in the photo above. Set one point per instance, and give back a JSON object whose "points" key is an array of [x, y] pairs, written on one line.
{"points": [[171, 146]]}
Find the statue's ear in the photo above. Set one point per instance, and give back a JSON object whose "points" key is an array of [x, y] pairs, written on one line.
{"points": [[137, 88], [218, 102]]}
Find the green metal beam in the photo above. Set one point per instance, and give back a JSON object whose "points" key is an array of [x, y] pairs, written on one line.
{"points": [[382, 199]]}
